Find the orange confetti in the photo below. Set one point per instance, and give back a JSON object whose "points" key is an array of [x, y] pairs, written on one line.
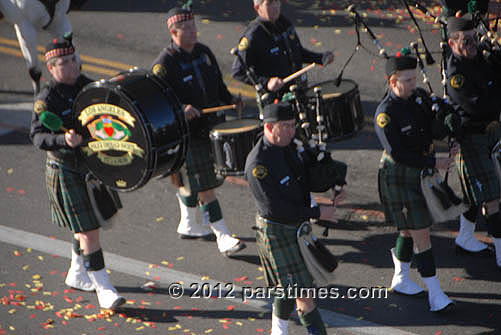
{"points": [[17, 253]]}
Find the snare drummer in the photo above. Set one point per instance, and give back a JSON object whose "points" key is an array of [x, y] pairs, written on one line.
{"points": [[474, 85], [406, 130], [192, 71], [271, 46], [65, 173]]}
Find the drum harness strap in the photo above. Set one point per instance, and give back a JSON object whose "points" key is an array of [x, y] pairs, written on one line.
{"points": [[284, 37], [195, 65]]}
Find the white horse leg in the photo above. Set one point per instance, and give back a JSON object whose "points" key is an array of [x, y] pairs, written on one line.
{"points": [[27, 37], [61, 23]]}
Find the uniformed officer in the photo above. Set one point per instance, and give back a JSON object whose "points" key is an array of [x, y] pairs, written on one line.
{"points": [[406, 127], [276, 180], [475, 85], [271, 46], [192, 71], [66, 172]]}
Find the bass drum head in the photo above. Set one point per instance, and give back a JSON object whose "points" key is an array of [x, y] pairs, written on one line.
{"points": [[116, 147]]}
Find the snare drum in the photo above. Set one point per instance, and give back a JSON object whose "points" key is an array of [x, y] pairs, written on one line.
{"points": [[342, 110], [231, 143], [133, 129]]}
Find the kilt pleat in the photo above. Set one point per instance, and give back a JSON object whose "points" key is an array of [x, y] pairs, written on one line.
{"points": [[476, 170], [280, 257], [69, 201], [199, 167], [401, 195]]}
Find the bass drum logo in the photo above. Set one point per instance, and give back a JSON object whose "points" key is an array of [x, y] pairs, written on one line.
{"points": [[109, 126]]}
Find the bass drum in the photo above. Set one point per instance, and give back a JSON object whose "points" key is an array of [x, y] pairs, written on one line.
{"points": [[342, 109], [133, 129]]}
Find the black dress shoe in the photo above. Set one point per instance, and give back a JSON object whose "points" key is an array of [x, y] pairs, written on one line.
{"points": [[208, 237], [447, 309], [487, 252]]}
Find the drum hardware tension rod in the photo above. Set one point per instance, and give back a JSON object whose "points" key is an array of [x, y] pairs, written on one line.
{"points": [[218, 108]]}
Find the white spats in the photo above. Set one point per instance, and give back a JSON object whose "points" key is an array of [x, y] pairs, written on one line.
{"points": [[226, 244], [188, 226], [77, 274], [279, 326], [106, 294], [401, 282], [438, 300], [466, 238]]}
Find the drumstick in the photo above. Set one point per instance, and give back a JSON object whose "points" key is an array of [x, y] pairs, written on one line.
{"points": [[218, 108], [298, 73], [332, 95]]}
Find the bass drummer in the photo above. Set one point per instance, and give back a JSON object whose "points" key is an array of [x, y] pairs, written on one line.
{"points": [[192, 71], [271, 47], [66, 171]]}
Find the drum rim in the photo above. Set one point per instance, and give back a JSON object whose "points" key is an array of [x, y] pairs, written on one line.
{"points": [[219, 132], [311, 88], [147, 172]]}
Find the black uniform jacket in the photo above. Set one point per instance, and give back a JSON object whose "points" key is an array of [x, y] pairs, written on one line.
{"points": [[475, 86], [195, 78], [58, 99], [406, 129], [275, 176], [272, 50]]}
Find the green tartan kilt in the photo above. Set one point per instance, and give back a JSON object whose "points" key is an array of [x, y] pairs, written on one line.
{"points": [[69, 200], [476, 170], [199, 167], [401, 195], [280, 256]]}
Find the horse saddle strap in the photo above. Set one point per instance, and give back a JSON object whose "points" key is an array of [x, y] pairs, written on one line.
{"points": [[50, 5]]}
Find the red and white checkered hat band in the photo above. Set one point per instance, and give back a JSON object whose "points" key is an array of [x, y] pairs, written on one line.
{"points": [[179, 18], [59, 52]]}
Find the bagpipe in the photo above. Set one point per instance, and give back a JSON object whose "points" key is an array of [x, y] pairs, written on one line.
{"points": [[441, 200]]}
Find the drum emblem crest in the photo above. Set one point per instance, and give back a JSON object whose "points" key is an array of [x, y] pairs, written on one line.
{"points": [[109, 126]]}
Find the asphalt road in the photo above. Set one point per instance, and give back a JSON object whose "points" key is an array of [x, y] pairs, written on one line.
{"points": [[143, 247]]}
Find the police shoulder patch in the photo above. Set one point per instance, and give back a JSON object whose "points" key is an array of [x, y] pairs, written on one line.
{"points": [[39, 106], [244, 44], [383, 119], [159, 70], [457, 81], [260, 171]]}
